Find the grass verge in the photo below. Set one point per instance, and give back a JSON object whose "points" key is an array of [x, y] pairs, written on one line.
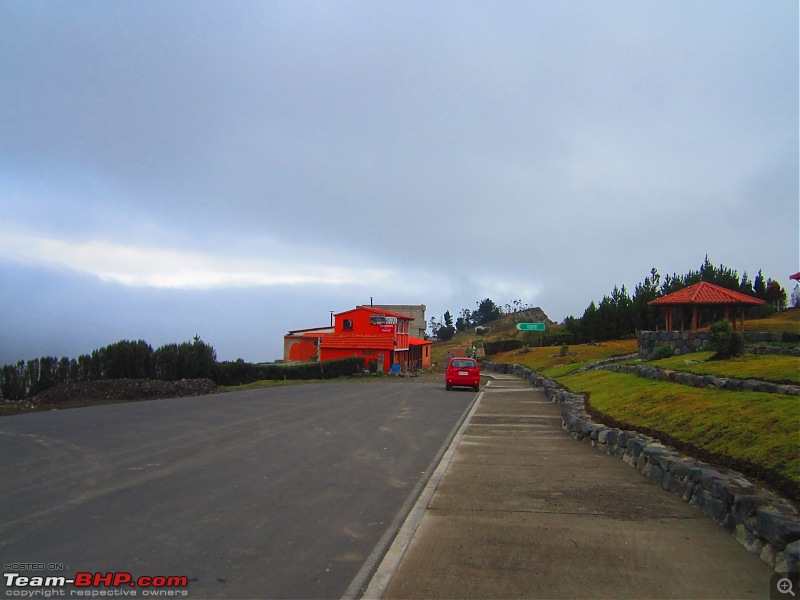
{"points": [[754, 432], [768, 367]]}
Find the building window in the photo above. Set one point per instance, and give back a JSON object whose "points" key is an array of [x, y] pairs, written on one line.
{"points": [[348, 325], [368, 352], [426, 351]]}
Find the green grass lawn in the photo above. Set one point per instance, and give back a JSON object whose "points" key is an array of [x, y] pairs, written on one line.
{"points": [[781, 369], [761, 428]]}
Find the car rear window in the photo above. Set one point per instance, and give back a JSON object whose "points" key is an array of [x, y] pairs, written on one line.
{"points": [[464, 364]]}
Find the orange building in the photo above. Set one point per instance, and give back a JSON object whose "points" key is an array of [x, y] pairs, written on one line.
{"points": [[302, 345], [372, 333]]}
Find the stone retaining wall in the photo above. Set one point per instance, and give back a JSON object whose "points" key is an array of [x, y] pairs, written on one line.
{"points": [[780, 350], [706, 381], [756, 337], [684, 342], [761, 521], [681, 342]]}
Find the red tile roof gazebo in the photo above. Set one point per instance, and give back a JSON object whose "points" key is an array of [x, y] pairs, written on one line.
{"points": [[704, 295]]}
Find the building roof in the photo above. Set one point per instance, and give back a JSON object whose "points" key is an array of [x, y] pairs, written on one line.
{"points": [[338, 340], [705, 293], [312, 330], [412, 341], [317, 334], [795, 276], [377, 311]]}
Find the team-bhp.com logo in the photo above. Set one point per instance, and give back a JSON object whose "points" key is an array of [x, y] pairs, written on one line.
{"points": [[84, 584]]}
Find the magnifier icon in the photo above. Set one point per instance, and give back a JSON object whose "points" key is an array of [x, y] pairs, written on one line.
{"points": [[784, 586]]}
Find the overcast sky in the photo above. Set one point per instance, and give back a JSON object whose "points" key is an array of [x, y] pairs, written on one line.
{"points": [[235, 170]]}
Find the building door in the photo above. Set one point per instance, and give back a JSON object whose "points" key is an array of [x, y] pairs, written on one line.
{"points": [[380, 362]]}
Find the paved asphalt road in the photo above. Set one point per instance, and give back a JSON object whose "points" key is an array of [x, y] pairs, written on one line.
{"points": [[274, 493]]}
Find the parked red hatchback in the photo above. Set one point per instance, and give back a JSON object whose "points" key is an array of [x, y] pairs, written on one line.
{"points": [[463, 372]]}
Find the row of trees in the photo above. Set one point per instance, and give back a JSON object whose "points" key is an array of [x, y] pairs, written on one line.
{"points": [[621, 314], [122, 360], [172, 362]]}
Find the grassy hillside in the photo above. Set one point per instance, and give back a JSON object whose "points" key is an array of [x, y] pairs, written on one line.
{"points": [[503, 328], [752, 427], [549, 361], [787, 320], [757, 432]]}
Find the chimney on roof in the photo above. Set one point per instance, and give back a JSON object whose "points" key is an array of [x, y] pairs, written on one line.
{"points": [[370, 300]]}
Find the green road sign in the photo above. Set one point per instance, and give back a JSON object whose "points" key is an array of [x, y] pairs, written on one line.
{"points": [[530, 326]]}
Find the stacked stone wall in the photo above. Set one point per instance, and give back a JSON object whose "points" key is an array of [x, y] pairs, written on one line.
{"points": [[680, 342], [761, 521], [780, 350]]}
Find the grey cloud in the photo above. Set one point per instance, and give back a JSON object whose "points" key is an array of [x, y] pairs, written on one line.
{"points": [[564, 135]]}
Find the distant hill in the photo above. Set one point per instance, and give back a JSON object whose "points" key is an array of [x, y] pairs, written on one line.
{"points": [[500, 329]]}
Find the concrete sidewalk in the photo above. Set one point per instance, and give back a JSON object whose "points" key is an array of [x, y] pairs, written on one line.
{"points": [[523, 510]]}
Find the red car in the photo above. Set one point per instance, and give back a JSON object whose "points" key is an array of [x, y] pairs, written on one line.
{"points": [[463, 372]]}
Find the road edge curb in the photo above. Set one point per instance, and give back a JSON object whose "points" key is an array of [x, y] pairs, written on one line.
{"points": [[391, 560]]}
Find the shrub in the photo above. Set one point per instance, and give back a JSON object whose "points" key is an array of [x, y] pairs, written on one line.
{"points": [[564, 350], [446, 332], [719, 334], [724, 342], [550, 338], [736, 344], [662, 351], [240, 372], [498, 346]]}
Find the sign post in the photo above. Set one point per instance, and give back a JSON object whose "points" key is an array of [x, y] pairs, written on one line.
{"points": [[530, 326], [533, 327]]}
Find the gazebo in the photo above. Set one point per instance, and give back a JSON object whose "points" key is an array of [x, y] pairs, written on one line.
{"points": [[705, 298]]}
